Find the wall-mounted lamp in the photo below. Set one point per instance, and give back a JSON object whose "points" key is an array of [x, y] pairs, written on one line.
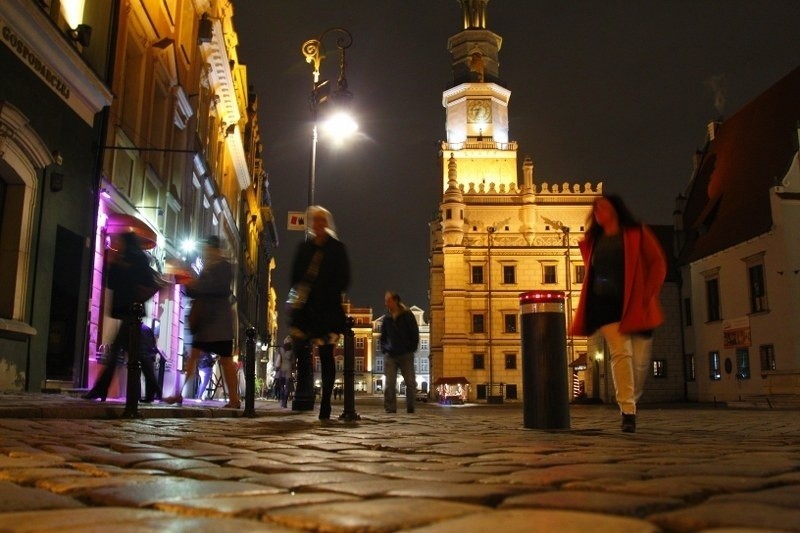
{"points": [[56, 181], [82, 34]]}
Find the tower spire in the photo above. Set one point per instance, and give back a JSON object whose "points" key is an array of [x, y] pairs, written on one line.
{"points": [[474, 14]]}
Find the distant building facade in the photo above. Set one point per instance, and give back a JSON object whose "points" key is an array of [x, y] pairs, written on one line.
{"points": [[498, 236], [739, 253]]}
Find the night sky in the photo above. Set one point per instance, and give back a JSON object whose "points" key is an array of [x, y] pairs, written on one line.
{"points": [[618, 92]]}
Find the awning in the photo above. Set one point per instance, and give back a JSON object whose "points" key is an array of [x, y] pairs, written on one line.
{"points": [[119, 223], [179, 270], [460, 380], [579, 363]]}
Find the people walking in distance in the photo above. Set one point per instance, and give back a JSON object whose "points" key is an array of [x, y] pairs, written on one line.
{"points": [[205, 367], [284, 359], [130, 280], [148, 351], [399, 341], [625, 269], [211, 320], [320, 274]]}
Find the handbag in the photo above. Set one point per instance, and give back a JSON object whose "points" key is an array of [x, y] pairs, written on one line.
{"points": [[298, 296], [143, 292]]}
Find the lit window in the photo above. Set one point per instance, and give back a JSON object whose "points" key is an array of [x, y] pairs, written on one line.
{"points": [[659, 368], [743, 363], [767, 356], [714, 366]]}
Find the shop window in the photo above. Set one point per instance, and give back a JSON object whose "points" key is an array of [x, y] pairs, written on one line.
{"points": [[714, 366], [480, 391], [743, 363], [511, 391]]}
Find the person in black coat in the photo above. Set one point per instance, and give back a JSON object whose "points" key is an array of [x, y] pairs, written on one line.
{"points": [[320, 274], [128, 270]]}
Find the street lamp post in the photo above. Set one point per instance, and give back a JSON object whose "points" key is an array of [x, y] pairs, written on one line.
{"points": [[314, 52]]}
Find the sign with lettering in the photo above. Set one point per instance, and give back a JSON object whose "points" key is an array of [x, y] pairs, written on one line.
{"points": [[49, 76], [736, 332]]}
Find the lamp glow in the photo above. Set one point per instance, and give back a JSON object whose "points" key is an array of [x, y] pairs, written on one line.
{"points": [[340, 126]]}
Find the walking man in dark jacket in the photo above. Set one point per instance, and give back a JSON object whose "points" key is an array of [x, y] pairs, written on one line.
{"points": [[399, 341]]}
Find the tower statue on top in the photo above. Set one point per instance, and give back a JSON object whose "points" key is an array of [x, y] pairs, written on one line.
{"points": [[474, 14]]}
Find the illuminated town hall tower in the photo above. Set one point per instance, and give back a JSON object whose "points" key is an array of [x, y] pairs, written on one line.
{"points": [[496, 235]]}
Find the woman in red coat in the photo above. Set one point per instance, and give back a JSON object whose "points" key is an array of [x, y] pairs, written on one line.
{"points": [[625, 269]]}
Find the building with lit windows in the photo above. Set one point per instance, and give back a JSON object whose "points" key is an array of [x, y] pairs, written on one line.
{"points": [[500, 234], [740, 256], [54, 94]]}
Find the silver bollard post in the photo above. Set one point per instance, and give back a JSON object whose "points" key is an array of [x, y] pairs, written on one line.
{"points": [[544, 360]]}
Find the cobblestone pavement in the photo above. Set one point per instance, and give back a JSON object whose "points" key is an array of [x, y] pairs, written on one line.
{"points": [[69, 465]]}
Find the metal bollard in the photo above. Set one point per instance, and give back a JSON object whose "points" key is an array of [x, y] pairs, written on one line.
{"points": [[133, 384], [349, 413], [544, 360], [250, 374]]}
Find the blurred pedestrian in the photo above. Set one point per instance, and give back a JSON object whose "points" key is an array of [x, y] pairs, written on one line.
{"points": [[320, 274], [205, 367], [211, 320], [284, 371], [148, 351], [399, 342], [625, 269], [130, 280]]}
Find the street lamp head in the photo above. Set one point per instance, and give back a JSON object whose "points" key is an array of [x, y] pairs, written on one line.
{"points": [[340, 126]]}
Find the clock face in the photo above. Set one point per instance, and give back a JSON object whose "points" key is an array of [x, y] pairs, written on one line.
{"points": [[479, 111]]}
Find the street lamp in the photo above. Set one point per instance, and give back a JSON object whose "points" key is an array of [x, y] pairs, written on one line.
{"points": [[340, 125]]}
